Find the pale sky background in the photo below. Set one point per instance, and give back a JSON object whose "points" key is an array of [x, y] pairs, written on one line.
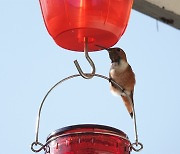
{"points": [[31, 63]]}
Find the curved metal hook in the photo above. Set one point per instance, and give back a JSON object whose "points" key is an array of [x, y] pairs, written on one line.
{"points": [[86, 75]]}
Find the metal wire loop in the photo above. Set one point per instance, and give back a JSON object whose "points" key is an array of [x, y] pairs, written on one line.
{"points": [[86, 75], [139, 146], [42, 146]]}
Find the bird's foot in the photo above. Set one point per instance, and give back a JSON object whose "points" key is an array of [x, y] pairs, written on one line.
{"points": [[110, 79], [123, 90]]}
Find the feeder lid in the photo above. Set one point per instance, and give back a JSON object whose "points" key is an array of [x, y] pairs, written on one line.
{"points": [[89, 128]]}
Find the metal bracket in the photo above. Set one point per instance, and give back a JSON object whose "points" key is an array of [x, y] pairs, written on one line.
{"points": [[44, 146]]}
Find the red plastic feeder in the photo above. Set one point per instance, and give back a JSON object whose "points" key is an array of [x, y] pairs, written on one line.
{"points": [[103, 22], [88, 139]]}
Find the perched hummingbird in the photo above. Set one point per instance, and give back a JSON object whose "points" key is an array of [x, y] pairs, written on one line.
{"points": [[122, 73]]}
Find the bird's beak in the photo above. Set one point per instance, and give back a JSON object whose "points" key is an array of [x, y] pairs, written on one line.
{"points": [[102, 47]]}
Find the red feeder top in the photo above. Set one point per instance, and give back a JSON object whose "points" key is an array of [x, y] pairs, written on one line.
{"points": [[103, 22], [88, 139]]}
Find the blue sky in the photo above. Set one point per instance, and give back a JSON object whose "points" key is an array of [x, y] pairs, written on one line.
{"points": [[30, 63]]}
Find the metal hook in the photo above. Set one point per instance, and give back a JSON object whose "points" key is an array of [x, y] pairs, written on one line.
{"points": [[86, 75]]}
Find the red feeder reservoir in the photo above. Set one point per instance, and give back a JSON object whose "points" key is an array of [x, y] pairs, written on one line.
{"points": [[88, 139], [103, 22]]}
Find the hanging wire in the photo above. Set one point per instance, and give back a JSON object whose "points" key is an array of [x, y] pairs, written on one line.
{"points": [[44, 146], [138, 145]]}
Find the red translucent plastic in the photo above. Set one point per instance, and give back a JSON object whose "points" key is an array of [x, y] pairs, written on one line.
{"points": [[89, 140], [103, 22]]}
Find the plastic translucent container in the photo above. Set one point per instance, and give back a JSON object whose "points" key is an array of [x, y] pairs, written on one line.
{"points": [[103, 22], [88, 139]]}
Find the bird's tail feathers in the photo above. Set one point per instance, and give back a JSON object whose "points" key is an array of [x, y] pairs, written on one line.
{"points": [[128, 105]]}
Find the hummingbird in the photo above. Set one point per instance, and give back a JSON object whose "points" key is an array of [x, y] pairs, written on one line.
{"points": [[121, 73]]}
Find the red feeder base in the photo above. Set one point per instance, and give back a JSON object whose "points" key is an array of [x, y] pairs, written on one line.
{"points": [[88, 139]]}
